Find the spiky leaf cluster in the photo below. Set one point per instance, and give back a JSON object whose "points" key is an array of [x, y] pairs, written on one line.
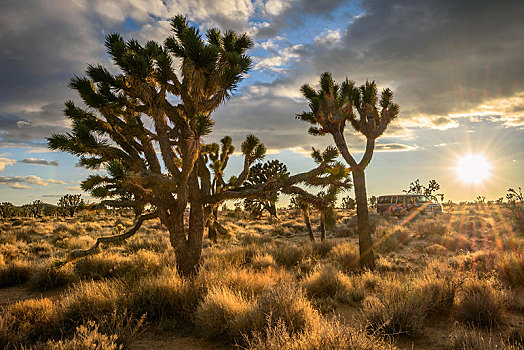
{"points": [[335, 104]]}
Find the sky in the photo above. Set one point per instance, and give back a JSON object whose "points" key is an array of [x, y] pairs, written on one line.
{"points": [[455, 67]]}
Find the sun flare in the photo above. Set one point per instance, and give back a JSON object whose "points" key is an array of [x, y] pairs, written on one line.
{"points": [[473, 168]]}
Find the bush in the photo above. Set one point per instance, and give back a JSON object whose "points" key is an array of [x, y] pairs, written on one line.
{"points": [[263, 261], [283, 303], [327, 335], [391, 239], [471, 339], [322, 248], [328, 282], [479, 304], [288, 255], [165, 298], [400, 310], [216, 315], [347, 256], [87, 337], [103, 265], [15, 273], [438, 292], [28, 321], [510, 267], [48, 277]]}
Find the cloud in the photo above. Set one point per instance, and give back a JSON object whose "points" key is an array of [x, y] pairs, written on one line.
{"points": [[394, 147], [5, 162], [39, 161], [15, 182], [56, 182]]}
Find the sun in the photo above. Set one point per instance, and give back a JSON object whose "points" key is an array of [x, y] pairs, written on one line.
{"points": [[473, 168]]}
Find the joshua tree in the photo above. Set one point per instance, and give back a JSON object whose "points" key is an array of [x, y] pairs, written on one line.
{"points": [[35, 208], [416, 188], [7, 209], [68, 204], [260, 174], [373, 201], [303, 206], [149, 122], [331, 108], [348, 203]]}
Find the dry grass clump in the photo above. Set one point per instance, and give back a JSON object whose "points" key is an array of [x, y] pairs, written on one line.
{"points": [[9, 251], [462, 338], [327, 335], [328, 282], [346, 256], [28, 321], [109, 265], [15, 273], [263, 261], [434, 226], [479, 303], [77, 242], [154, 241], [399, 310], [47, 277], [322, 249], [87, 337], [288, 255], [216, 316], [391, 238], [166, 298], [255, 238], [284, 303], [437, 288], [252, 282], [510, 268], [454, 242]]}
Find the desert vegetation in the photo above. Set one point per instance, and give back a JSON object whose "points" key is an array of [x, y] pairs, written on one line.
{"points": [[161, 257]]}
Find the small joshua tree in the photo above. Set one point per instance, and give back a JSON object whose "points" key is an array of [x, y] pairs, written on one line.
{"points": [[348, 203], [429, 191], [68, 204], [7, 210], [260, 174], [35, 208], [516, 207], [331, 108]]}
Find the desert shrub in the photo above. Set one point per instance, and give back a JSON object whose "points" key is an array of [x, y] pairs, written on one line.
{"points": [[87, 337], [510, 267], [323, 248], [327, 335], [438, 293], [252, 282], [479, 303], [166, 298], [346, 255], [27, 321], [431, 227], [77, 242], [141, 263], [390, 239], [219, 311], [15, 273], [436, 249], [48, 277], [98, 266], [462, 338], [154, 241], [262, 261], [284, 303], [400, 310], [90, 300], [255, 238], [288, 255], [454, 243], [328, 282]]}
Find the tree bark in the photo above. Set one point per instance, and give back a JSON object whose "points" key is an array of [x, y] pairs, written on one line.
{"points": [[367, 258], [308, 224], [322, 227], [212, 229]]}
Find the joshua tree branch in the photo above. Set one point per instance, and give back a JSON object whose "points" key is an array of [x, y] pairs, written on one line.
{"points": [[115, 239], [343, 148], [370, 146]]}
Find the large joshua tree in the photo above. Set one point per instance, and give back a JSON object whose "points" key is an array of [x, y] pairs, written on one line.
{"points": [[331, 108], [146, 126]]}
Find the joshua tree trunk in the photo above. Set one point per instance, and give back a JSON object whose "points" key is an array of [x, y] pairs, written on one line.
{"points": [[272, 209], [322, 227], [212, 231], [308, 224], [367, 258]]}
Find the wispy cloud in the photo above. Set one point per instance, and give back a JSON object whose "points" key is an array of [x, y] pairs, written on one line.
{"points": [[5, 162], [16, 181], [39, 161]]}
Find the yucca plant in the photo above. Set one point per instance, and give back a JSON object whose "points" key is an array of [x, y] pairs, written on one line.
{"points": [[146, 127], [331, 108]]}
